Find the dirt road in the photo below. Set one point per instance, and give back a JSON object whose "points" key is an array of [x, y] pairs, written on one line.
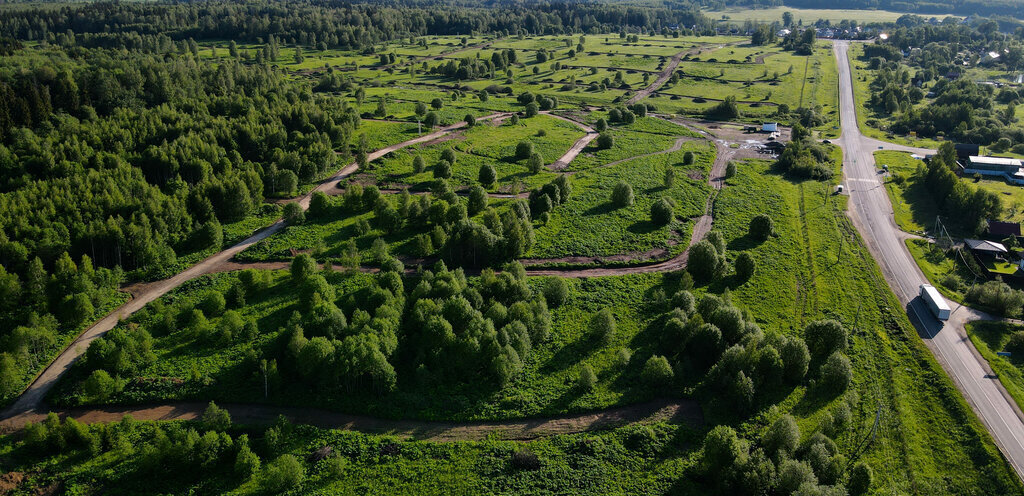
{"points": [[687, 411], [36, 391], [666, 73]]}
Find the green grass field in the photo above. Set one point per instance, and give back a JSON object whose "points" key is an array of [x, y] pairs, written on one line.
{"points": [[990, 338], [808, 16]]}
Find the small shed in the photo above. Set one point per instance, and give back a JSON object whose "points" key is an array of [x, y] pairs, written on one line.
{"points": [[770, 127], [1003, 229], [982, 246]]}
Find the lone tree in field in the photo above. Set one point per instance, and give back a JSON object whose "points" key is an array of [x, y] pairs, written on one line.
{"points": [[536, 162], [588, 379], [622, 194], [602, 326], [761, 227], [605, 141], [556, 290], [487, 175], [601, 126], [661, 212], [705, 263], [293, 214], [730, 169], [688, 158], [523, 150], [443, 170], [418, 164], [470, 120], [431, 120], [724, 111], [744, 266]]}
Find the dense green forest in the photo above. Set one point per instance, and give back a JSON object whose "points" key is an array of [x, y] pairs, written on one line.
{"points": [[127, 154]]}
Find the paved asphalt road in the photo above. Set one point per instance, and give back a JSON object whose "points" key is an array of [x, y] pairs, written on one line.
{"points": [[872, 213]]}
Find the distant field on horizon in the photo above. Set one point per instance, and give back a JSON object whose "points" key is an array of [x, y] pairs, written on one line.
{"points": [[809, 16]]}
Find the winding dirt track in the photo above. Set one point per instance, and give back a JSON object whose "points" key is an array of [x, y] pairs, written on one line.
{"points": [[33, 396], [30, 407], [687, 411], [666, 73]]}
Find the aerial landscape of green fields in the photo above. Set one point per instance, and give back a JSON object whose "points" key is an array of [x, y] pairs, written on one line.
{"points": [[440, 247]]}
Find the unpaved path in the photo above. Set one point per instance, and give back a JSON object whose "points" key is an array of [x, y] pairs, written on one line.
{"points": [[687, 411], [576, 147], [33, 396], [666, 73], [29, 406]]}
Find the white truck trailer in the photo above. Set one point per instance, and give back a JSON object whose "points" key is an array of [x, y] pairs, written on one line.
{"points": [[935, 301]]}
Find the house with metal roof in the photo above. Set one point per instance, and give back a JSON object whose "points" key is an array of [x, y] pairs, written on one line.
{"points": [[1007, 168], [985, 246]]}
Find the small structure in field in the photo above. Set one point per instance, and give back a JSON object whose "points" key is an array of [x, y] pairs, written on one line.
{"points": [[1007, 168]]}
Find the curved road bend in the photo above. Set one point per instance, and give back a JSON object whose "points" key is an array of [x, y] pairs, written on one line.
{"points": [[872, 213], [33, 396]]}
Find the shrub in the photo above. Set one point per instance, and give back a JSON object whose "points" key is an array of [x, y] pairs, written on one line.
{"points": [[418, 164], [601, 126], [556, 290], [536, 162], [860, 479], [825, 337], [531, 109], [216, 418], [661, 212], [286, 472], [525, 459], [487, 175], [836, 374], [705, 263], [761, 227], [793, 474], [657, 372], [1015, 344], [722, 449], [602, 326], [684, 301], [795, 359], [997, 296], [605, 141], [99, 386], [688, 158], [588, 379], [293, 214], [303, 266], [622, 194], [247, 463], [477, 200], [524, 149], [470, 120], [213, 304], [443, 170], [730, 169], [319, 204], [744, 266], [782, 438]]}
